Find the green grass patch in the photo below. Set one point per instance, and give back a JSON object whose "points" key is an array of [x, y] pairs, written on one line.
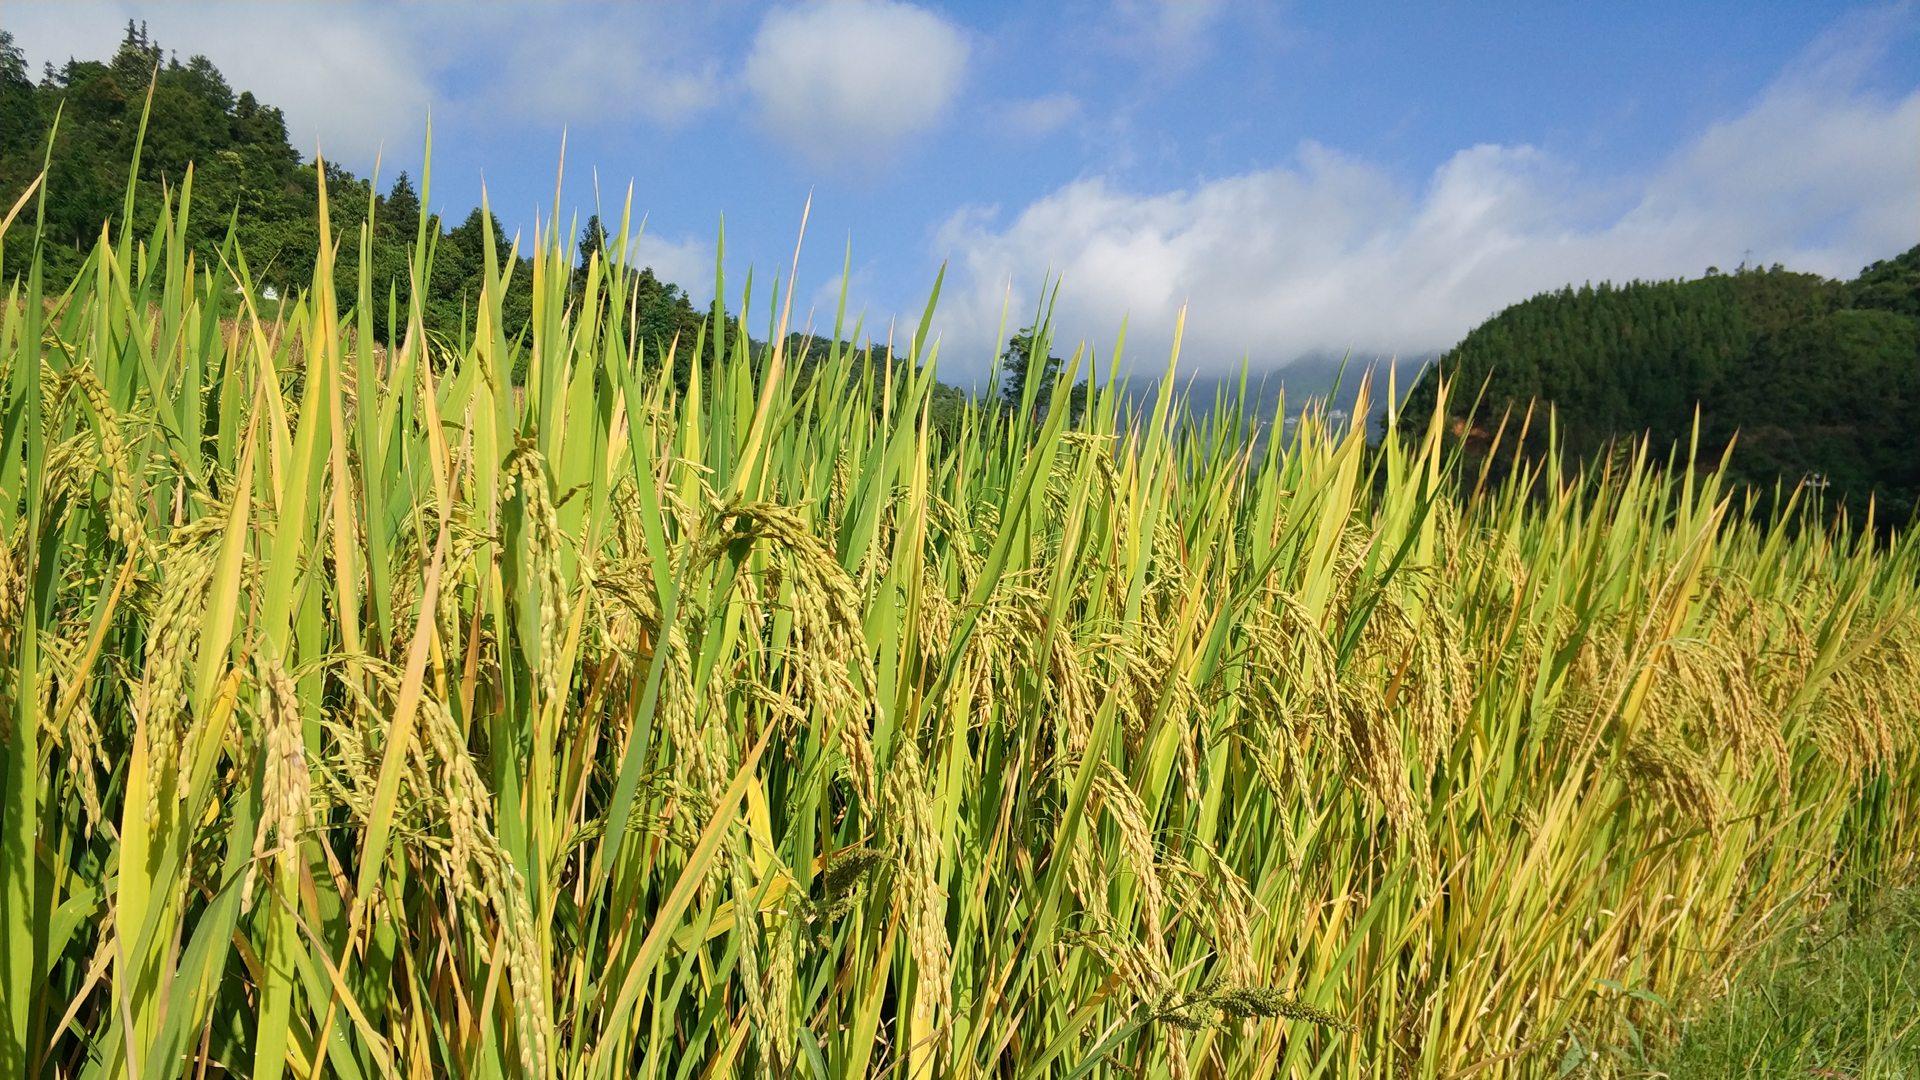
{"points": [[1839, 997]]}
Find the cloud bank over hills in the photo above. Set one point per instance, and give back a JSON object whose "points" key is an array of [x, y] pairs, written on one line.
{"points": [[1151, 156], [1328, 253]]}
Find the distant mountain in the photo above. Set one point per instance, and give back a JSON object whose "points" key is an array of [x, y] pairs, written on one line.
{"points": [[1808, 378], [1326, 383]]}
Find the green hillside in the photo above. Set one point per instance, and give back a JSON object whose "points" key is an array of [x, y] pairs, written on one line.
{"points": [[1808, 378], [249, 181]]}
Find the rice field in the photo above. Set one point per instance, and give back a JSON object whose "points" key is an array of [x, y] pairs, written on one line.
{"points": [[369, 715]]}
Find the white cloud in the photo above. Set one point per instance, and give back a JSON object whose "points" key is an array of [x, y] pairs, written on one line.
{"points": [[1330, 253], [344, 76], [1038, 116], [358, 77], [687, 263], [1168, 38], [844, 84], [596, 63]]}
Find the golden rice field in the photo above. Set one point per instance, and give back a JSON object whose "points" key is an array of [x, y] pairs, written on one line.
{"points": [[367, 715]]}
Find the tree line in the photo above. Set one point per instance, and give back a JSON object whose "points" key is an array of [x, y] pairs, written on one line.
{"points": [[83, 122], [1806, 378]]}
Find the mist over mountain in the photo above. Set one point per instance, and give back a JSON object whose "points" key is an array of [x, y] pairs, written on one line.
{"points": [[1328, 385]]}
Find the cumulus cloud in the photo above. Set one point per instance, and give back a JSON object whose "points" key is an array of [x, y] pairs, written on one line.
{"points": [[1038, 116], [355, 78], [1169, 38], [598, 63], [687, 263], [843, 84], [1329, 252], [347, 83]]}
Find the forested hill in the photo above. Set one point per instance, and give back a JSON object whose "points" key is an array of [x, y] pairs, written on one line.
{"points": [[1819, 379], [245, 172]]}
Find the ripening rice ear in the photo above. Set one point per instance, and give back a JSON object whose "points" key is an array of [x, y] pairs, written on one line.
{"points": [[713, 714]]}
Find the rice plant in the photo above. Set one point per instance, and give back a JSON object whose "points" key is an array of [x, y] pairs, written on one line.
{"points": [[371, 713]]}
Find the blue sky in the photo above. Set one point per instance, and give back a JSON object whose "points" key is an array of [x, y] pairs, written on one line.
{"points": [[1306, 178]]}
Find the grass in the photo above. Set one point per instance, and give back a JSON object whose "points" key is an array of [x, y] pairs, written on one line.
{"points": [[370, 715], [1838, 998]]}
